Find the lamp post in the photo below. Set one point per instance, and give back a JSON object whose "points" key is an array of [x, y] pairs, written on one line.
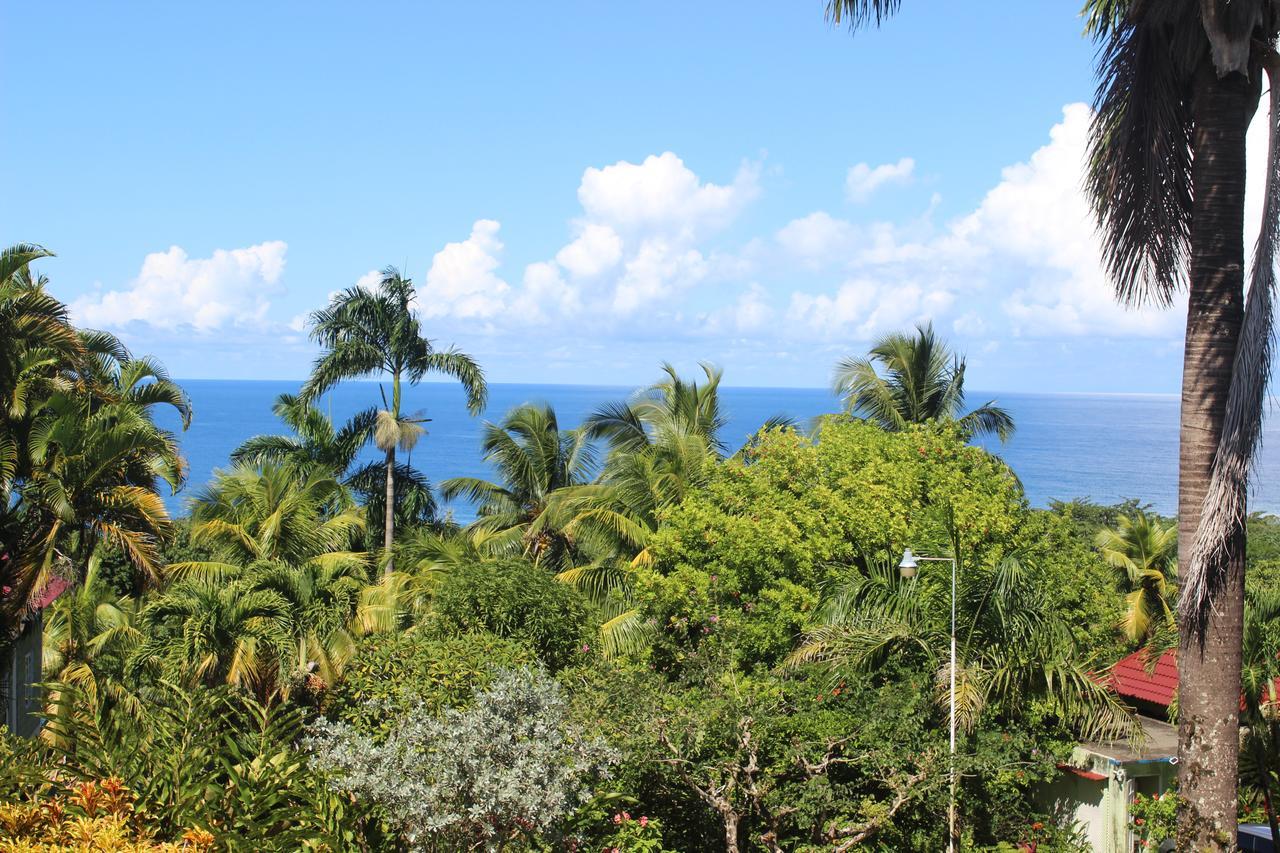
{"points": [[907, 568]]}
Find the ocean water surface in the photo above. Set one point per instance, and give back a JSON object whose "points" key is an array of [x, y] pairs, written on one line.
{"points": [[1104, 447]]}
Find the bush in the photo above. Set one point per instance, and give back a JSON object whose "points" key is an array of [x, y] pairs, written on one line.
{"points": [[208, 758], [510, 766], [92, 815], [391, 674], [516, 600]]}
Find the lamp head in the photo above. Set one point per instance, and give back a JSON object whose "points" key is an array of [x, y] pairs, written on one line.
{"points": [[907, 568]]}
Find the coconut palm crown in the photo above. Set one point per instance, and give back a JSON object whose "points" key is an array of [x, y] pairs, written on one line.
{"points": [[909, 379]]}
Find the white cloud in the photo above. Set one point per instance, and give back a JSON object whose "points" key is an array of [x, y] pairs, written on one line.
{"points": [[864, 179], [818, 238], [172, 290], [461, 281], [865, 307], [654, 272], [545, 294], [1036, 223], [663, 195], [597, 248]]}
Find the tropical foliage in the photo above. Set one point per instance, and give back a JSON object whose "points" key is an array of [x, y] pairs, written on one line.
{"points": [[641, 620]]}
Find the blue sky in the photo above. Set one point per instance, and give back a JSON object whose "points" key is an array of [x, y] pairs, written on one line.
{"points": [[580, 190]]}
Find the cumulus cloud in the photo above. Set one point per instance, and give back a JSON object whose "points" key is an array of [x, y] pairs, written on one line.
{"points": [[462, 281], [864, 179], [865, 307], [661, 194], [172, 290], [596, 249]]}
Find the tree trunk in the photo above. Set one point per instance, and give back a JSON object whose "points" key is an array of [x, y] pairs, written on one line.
{"points": [[730, 831], [389, 523], [1209, 683]]}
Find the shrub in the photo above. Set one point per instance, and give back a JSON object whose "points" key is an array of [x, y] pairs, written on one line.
{"points": [[91, 815], [516, 600], [391, 674], [509, 766]]}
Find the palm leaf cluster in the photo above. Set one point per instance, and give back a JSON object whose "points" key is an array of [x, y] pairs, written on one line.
{"points": [[82, 460], [914, 379], [1012, 648]]}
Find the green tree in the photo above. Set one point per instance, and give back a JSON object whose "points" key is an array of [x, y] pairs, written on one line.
{"points": [[664, 414], [273, 513], [316, 445], [1144, 553], [533, 458], [911, 380], [202, 631], [89, 634], [98, 460], [377, 333]]}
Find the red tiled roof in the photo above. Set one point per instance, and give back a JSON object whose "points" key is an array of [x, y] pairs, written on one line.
{"points": [[1130, 678]]}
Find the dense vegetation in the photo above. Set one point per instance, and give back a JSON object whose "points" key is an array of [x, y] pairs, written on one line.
{"points": [[645, 641]]}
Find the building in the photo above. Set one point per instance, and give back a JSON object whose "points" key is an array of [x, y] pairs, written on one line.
{"points": [[1101, 779], [21, 665]]}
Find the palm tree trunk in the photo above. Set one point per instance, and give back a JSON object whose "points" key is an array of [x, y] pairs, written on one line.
{"points": [[389, 521], [1209, 684]]}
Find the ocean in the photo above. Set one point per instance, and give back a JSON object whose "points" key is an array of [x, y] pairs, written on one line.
{"points": [[1103, 447]]}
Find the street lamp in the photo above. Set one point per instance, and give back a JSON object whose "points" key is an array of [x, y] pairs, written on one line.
{"points": [[907, 568]]}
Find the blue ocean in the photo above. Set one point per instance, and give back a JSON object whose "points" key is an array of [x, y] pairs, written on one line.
{"points": [[1103, 447]]}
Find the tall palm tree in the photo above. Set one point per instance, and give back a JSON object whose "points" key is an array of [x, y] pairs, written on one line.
{"points": [[913, 379], [1144, 553], [377, 333], [316, 445], [533, 458], [1179, 84]]}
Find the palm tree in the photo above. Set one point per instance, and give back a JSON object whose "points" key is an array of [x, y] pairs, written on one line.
{"points": [[98, 460], [315, 445], [89, 634], [533, 458], [665, 412], [271, 513], [1144, 553], [322, 597], [202, 631], [377, 333], [911, 380], [1179, 84], [1012, 646]]}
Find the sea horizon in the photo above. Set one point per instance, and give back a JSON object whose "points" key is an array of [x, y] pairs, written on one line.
{"points": [[1102, 446]]}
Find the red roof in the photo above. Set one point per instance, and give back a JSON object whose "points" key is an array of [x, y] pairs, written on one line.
{"points": [[1083, 774], [1130, 678]]}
